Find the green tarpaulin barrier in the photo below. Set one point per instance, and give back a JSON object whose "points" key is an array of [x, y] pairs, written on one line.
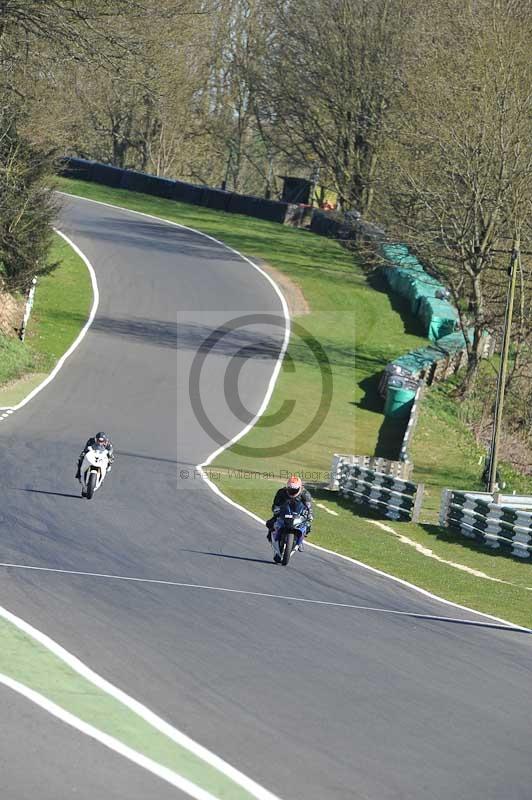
{"points": [[439, 316], [425, 294], [454, 341], [418, 360]]}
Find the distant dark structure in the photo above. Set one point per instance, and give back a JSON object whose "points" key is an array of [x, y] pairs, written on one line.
{"points": [[296, 190]]}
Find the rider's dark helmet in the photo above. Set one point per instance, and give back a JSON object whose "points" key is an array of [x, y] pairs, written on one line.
{"points": [[102, 438]]}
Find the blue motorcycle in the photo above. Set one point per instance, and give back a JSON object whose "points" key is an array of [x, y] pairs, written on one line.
{"points": [[294, 518]]}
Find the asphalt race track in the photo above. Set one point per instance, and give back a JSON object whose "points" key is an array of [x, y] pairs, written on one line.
{"points": [[43, 757], [311, 701]]}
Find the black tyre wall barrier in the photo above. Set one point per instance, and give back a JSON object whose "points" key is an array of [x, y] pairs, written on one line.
{"points": [[259, 207], [106, 174], [78, 168], [243, 204], [148, 184], [188, 192], [271, 210], [216, 198], [325, 224]]}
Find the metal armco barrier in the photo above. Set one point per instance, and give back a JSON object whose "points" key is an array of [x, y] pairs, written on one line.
{"points": [[498, 521], [392, 497], [398, 469]]}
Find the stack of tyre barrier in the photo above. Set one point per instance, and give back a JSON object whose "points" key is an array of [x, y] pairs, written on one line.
{"points": [[400, 396], [427, 297], [428, 300], [391, 497], [272, 210], [502, 522], [327, 223], [397, 469]]}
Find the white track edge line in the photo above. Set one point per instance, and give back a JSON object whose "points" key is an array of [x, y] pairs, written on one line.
{"points": [[209, 460], [80, 336], [119, 747], [424, 592]]}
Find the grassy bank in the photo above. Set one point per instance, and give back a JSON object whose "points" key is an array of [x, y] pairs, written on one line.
{"points": [[16, 359], [446, 454], [360, 329], [62, 303]]}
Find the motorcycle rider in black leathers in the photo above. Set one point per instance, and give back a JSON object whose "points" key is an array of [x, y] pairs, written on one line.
{"points": [[294, 489], [100, 440]]}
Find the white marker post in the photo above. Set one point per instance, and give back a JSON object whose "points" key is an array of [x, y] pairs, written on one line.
{"points": [[27, 310]]}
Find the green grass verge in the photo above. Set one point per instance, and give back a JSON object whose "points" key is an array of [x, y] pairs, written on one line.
{"points": [[361, 329], [446, 454], [62, 303]]}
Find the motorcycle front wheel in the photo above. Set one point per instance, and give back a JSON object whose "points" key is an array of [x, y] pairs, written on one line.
{"points": [[91, 485], [286, 548]]}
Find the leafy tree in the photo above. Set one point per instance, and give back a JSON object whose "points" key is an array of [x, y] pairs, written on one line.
{"points": [[27, 207]]}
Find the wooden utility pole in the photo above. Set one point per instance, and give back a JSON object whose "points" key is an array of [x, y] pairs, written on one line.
{"points": [[501, 380]]}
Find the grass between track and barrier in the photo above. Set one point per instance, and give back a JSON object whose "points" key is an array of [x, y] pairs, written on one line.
{"points": [[360, 329], [61, 308]]}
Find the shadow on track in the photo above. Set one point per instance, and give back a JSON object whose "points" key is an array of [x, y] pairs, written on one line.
{"points": [[200, 338], [152, 458], [471, 623], [43, 491], [225, 555]]}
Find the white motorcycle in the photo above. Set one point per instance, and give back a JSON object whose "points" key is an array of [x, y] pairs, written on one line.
{"points": [[94, 468]]}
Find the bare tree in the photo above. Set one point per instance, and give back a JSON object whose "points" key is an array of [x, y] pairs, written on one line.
{"points": [[335, 72], [35, 38], [81, 28], [460, 170], [240, 32]]}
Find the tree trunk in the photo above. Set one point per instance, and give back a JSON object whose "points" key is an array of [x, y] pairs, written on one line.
{"points": [[473, 363]]}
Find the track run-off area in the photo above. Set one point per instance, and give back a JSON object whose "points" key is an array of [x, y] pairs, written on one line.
{"points": [[152, 648]]}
